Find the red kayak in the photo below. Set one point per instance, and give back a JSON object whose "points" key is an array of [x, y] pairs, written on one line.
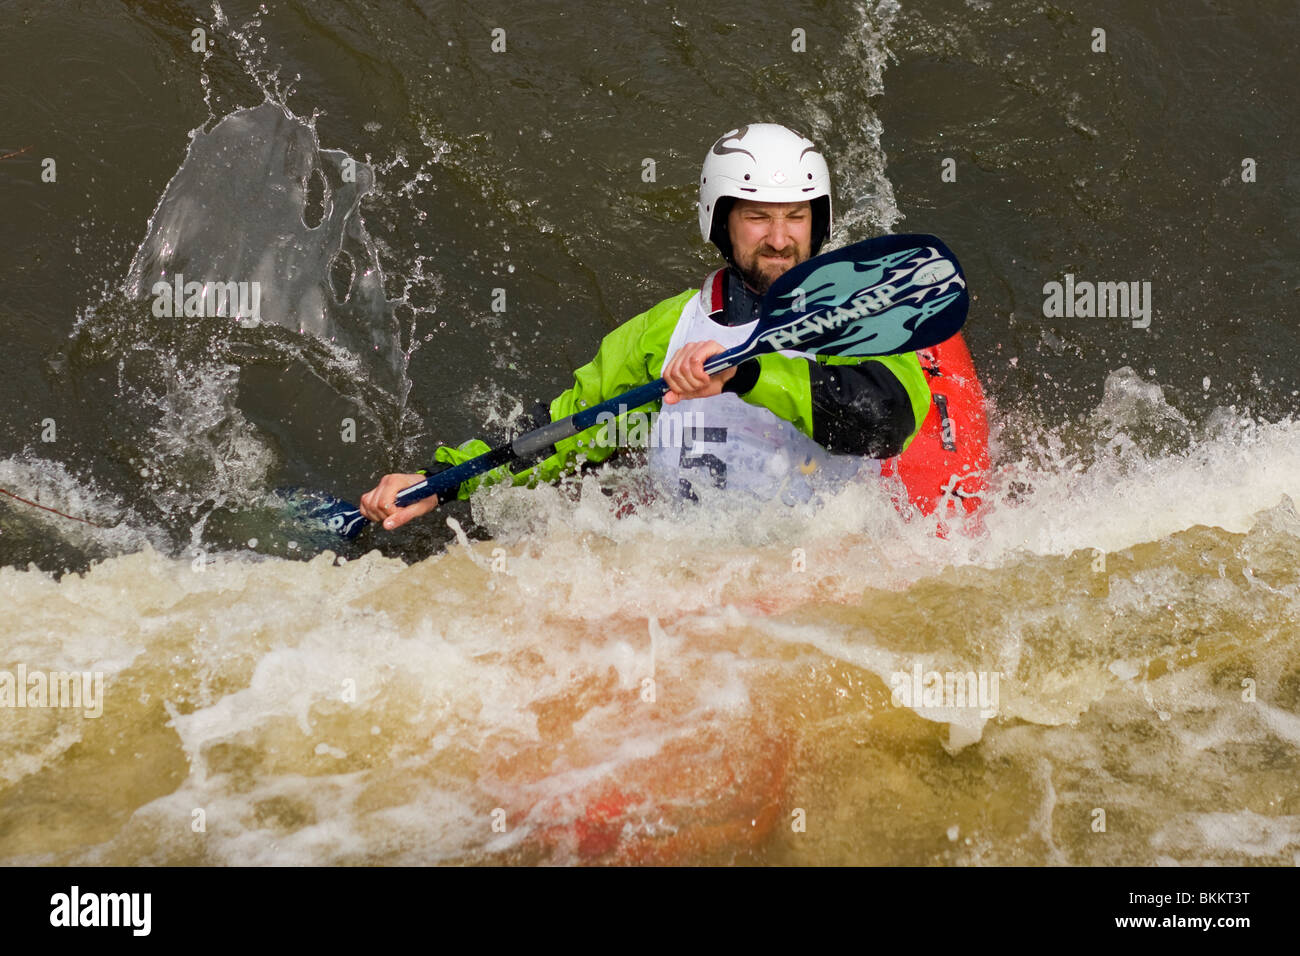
{"points": [[945, 469]]}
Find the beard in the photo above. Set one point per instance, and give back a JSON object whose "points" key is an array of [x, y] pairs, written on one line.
{"points": [[760, 277]]}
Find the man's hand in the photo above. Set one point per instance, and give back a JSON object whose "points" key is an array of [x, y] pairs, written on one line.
{"points": [[684, 373], [379, 504]]}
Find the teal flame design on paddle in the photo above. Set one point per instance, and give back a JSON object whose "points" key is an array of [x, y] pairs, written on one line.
{"points": [[876, 307], [841, 281]]}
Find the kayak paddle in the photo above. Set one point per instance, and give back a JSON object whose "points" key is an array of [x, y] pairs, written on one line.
{"points": [[880, 296]]}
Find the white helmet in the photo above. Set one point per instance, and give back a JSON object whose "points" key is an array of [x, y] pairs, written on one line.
{"points": [[767, 163]]}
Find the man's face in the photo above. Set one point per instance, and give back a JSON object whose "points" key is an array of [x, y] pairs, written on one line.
{"points": [[769, 238]]}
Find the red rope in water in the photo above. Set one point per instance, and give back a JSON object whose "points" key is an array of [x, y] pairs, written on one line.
{"points": [[51, 510]]}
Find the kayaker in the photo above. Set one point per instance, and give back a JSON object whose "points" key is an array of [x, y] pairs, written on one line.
{"points": [[767, 426]]}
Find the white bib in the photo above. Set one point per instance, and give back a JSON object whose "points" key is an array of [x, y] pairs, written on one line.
{"points": [[725, 442]]}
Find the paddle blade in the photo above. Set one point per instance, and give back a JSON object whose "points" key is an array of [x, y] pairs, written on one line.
{"points": [[315, 510], [881, 296]]}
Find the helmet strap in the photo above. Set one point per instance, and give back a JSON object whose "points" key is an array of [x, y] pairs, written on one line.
{"points": [[720, 237]]}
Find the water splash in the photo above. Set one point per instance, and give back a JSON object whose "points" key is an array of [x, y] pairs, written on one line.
{"points": [[240, 209]]}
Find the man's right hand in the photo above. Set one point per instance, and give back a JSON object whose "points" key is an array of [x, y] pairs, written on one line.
{"points": [[685, 374], [379, 504]]}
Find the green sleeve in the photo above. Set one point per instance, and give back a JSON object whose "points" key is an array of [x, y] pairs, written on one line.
{"points": [[633, 354]]}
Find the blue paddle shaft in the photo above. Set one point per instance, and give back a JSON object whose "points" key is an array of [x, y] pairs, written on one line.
{"points": [[540, 441]]}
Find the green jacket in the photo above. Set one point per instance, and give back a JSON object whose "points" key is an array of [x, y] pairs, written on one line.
{"points": [[635, 353]]}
